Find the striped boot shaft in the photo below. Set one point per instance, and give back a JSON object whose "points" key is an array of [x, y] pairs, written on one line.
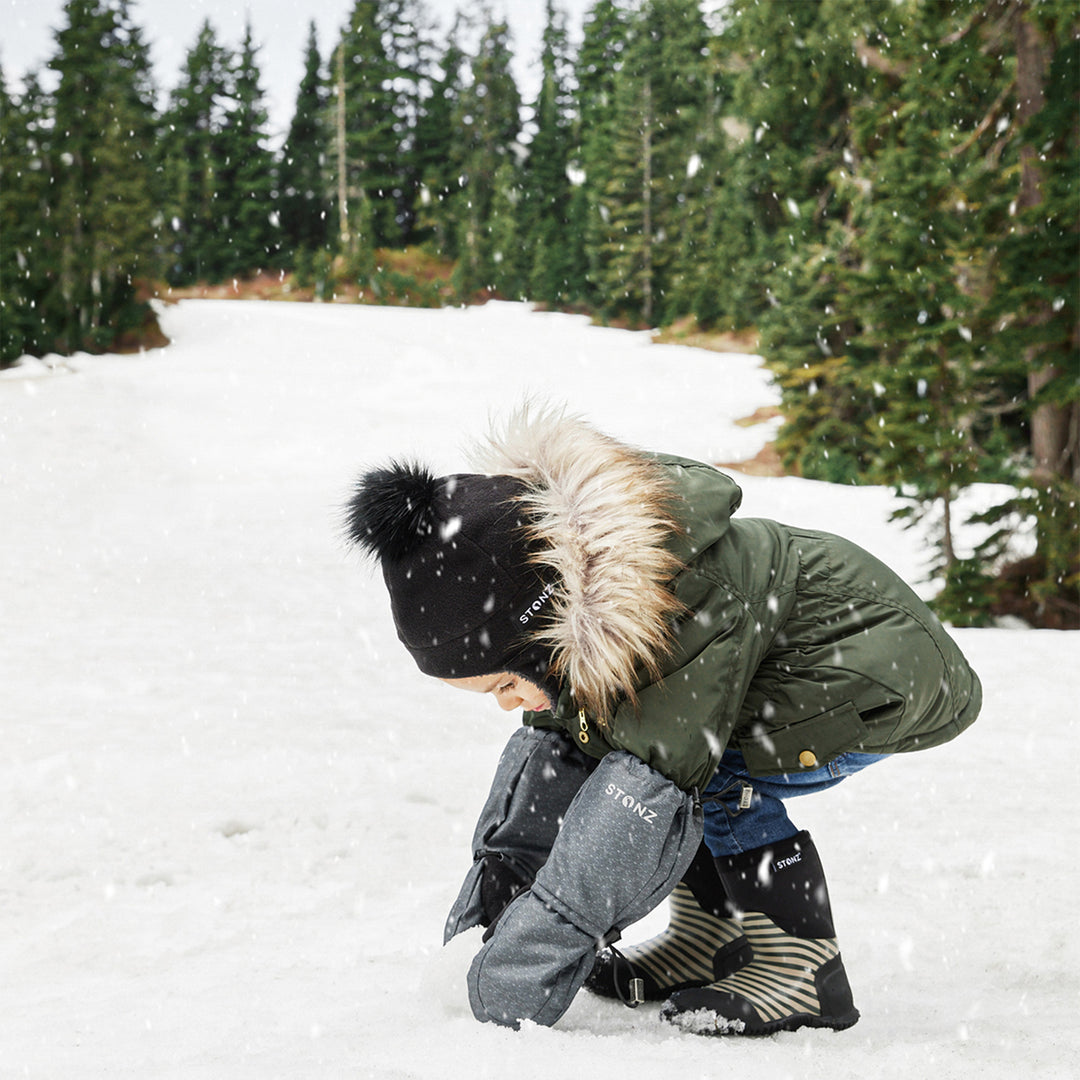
{"points": [[780, 978], [694, 950]]}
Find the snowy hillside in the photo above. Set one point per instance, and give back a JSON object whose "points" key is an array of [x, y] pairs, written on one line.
{"points": [[234, 815]]}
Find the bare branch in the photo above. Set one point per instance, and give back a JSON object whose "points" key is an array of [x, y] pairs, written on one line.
{"points": [[874, 58], [985, 122]]}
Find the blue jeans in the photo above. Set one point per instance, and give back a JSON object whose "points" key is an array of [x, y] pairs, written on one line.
{"points": [[737, 819]]}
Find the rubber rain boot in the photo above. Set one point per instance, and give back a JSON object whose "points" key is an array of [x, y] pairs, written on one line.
{"points": [[796, 976]]}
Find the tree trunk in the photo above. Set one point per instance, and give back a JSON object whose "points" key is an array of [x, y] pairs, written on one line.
{"points": [[646, 202], [1053, 426], [948, 547], [343, 196]]}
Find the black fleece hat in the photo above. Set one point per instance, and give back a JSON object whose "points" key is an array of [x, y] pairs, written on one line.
{"points": [[456, 559]]}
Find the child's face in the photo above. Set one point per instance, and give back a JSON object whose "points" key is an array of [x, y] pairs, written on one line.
{"points": [[511, 691]]}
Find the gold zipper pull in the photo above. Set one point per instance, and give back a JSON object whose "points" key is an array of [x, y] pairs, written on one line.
{"points": [[583, 726]]}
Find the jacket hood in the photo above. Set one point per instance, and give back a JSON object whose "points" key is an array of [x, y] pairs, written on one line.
{"points": [[601, 516]]}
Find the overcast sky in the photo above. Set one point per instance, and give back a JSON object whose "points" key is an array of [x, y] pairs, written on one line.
{"points": [[27, 42]]}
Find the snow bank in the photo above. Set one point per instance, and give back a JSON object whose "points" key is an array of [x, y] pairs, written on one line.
{"points": [[235, 816]]}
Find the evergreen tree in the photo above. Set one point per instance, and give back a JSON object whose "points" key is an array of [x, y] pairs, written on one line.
{"points": [[434, 156], [193, 158], [695, 278], [794, 72], [692, 280], [659, 93], [628, 266], [487, 123], [370, 88], [101, 223], [247, 192], [411, 51], [1033, 306], [882, 300], [549, 252], [25, 272], [917, 305], [508, 272], [302, 175], [1039, 309], [605, 32]]}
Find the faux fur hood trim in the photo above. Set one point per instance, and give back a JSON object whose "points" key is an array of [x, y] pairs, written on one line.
{"points": [[600, 513]]}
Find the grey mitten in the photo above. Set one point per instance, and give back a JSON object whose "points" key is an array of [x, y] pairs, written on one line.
{"points": [[537, 777], [627, 838]]}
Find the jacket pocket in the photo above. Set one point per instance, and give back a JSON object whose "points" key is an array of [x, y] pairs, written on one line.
{"points": [[805, 745]]}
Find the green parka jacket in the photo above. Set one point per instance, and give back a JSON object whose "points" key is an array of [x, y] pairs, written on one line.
{"points": [[680, 630]]}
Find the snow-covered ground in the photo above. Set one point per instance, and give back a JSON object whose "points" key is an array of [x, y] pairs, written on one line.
{"points": [[233, 816]]}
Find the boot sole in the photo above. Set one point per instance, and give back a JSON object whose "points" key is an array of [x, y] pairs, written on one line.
{"points": [[706, 1022]]}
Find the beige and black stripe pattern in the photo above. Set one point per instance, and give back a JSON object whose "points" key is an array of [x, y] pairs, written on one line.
{"points": [[683, 954], [779, 981], [692, 951], [778, 990]]}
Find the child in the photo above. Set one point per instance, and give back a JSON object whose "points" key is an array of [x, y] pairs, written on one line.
{"points": [[683, 672]]}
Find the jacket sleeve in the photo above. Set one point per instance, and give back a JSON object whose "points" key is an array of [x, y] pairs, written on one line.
{"points": [[627, 838]]}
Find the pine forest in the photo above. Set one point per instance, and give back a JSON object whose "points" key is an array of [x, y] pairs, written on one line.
{"points": [[882, 195]]}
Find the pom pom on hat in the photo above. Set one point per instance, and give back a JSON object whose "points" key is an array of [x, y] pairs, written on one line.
{"points": [[392, 510]]}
